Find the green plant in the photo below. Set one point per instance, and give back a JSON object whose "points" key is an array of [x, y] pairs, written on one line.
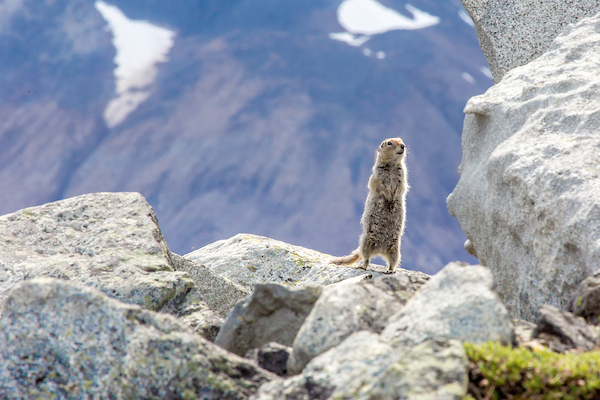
{"points": [[503, 372]]}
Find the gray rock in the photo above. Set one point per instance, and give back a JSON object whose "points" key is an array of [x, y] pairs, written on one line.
{"points": [[513, 33], [108, 241], [272, 313], [528, 193], [366, 367], [272, 357], [62, 340], [345, 308], [572, 332], [402, 285], [249, 259], [203, 321], [585, 301], [218, 293], [456, 303]]}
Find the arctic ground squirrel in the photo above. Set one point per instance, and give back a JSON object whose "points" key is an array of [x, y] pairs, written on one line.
{"points": [[385, 208]]}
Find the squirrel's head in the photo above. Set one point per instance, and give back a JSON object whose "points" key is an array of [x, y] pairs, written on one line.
{"points": [[392, 149]]}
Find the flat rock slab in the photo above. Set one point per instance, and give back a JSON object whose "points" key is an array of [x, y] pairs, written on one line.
{"points": [[62, 340], [529, 192], [457, 303], [366, 367], [513, 33], [108, 241], [249, 259]]}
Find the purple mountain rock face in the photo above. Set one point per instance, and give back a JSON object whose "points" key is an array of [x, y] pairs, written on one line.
{"points": [[259, 117]]}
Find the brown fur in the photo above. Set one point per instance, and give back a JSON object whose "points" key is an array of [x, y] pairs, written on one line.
{"points": [[385, 208]]}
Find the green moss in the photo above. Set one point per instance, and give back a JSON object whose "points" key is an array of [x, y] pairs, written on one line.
{"points": [[498, 372], [251, 268]]}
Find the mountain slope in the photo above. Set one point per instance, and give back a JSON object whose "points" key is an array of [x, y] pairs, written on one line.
{"points": [[257, 120]]}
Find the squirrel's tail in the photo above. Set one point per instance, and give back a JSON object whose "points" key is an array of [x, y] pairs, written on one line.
{"points": [[347, 259]]}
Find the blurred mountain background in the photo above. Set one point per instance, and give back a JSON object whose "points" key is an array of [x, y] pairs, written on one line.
{"points": [[257, 116]]}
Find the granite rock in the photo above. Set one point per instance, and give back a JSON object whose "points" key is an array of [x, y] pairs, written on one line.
{"points": [[107, 241], [249, 259], [272, 313], [345, 308], [203, 321], [513, 33], [456, 303], [365, 366], [528, 197], [62, 340], [218, 293]]}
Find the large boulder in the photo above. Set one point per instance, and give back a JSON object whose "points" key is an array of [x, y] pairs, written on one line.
{"points": [[513, 33], [528, 197], [108, 241], [456, 303], [249, 259], [345, 308], [62, 340], [366, 367], [272, 313]]}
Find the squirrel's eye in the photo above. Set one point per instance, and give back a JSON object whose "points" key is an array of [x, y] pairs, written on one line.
{"points": [[389, 143]]}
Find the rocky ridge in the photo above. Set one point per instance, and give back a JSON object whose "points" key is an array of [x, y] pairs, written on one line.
{"points": [[80, 319]]}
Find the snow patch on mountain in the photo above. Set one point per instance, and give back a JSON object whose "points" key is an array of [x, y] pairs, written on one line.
{"points": [[363, 18], [140, 45], [349, 38], [369, 17]]}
